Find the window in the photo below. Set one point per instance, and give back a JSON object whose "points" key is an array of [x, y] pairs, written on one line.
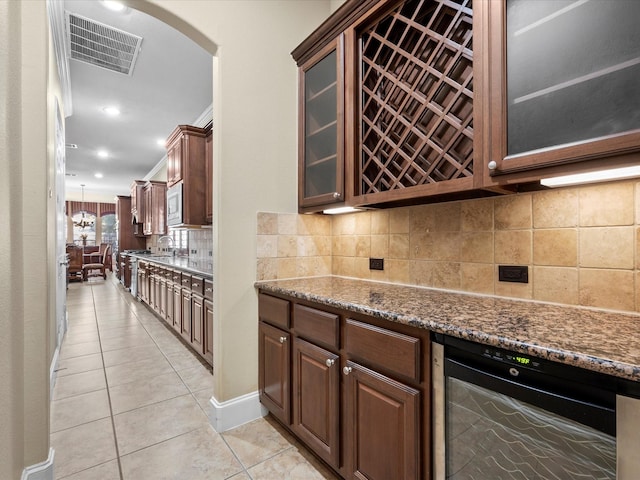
{"points": [[108, 228]]}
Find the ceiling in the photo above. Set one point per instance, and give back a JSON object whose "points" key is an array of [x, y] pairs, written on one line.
{"points": [[171, 84]]}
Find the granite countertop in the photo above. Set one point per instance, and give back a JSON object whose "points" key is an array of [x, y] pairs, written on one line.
{"points": [[199, 267], [599, 340]]}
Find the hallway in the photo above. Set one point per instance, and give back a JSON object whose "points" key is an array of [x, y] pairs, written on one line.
{"points": [[131, 402]]}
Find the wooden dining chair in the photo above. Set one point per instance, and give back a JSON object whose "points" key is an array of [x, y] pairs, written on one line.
{"points": [[97, 269]]}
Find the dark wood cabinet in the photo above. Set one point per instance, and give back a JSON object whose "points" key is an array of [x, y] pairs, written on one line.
{"points": [[559, 98], [127, 239], [169, 308], [187, 163], [405, 100], [360, 387], [274, 352], [383, 422], [316, 399], [208, 331], [441, 100], [185, 328], [321, 128], [208, 158], [137, 202], [197, 314], [155, 208], [177, 308]]}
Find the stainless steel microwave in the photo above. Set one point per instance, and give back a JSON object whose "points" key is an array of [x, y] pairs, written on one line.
{"points": [[174, 205]]}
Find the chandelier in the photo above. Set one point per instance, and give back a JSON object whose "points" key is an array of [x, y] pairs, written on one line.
{"points": [[83, 222]]}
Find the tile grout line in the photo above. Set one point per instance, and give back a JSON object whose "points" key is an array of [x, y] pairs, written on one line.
{"points": [[104, 371]]}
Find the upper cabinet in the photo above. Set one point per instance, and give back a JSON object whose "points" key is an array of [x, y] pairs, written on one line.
{"points": [[441, 99], [321, 128], [561, 86], [396, 122], [208, 156], [155, 208], [186, 163], [414, 101]]}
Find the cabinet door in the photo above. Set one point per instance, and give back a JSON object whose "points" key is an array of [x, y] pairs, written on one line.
{"points": [[169, 302], [177, 308], [382, 426], [174, 162], [208, 331], [562, 86], [274, 354], [321, 124], [162, 297], [185, 329], [197, 323], [316, 399], [208, 158]]}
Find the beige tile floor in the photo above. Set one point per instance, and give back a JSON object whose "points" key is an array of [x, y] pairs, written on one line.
{"points": [[131, 402]]}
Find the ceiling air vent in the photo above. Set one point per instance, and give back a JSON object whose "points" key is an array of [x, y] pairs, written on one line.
{"points": [[101, 45]]}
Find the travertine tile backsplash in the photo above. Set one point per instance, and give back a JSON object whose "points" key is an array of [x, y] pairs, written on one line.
{"points": [[582, 245]]}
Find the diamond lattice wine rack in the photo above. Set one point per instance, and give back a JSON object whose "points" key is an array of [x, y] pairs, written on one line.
{"points": [[416, 96]]}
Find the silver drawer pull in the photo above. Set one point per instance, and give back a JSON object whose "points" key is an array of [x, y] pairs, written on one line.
{"points": [[195, 285], [329, 362], [346, 370], [283, 339], [208, 289]]}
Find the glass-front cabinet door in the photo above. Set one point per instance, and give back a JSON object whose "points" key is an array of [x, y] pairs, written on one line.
{"points": [[321, 167], [563, 82]]}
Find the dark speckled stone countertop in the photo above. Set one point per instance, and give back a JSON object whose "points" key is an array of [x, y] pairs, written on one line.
{"points": [[603, 341], [181, 263]]}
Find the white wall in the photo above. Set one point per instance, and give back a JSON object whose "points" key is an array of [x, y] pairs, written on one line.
{"points": [[255, 151], [24, 322]]}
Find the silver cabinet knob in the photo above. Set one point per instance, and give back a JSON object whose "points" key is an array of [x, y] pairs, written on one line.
{"points": [[346, 370], [336, 195], [283, 339], [329, 362], [492, 165]]}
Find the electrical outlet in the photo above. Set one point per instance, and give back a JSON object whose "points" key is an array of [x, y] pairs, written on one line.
{"points": [[513, 273], [376, 264]]}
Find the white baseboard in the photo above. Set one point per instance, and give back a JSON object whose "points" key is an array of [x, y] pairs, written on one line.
{"points": [[40, 471], [236, 412]]}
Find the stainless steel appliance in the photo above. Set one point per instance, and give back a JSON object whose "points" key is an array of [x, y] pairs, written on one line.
{"points": [[174, 205], [504, 415]]}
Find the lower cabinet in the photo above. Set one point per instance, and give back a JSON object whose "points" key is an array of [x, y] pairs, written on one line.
{"points": [[183, 300], [355, 391], [316, 399], [197, 323], [383, 423], [274, 351], [208, 331]]}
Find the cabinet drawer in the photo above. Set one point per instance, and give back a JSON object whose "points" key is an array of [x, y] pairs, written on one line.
{"points": [[176, 277], [197, 285], [393, 352], [273, 310], [316, 325], [186, 281], [208, 289]]}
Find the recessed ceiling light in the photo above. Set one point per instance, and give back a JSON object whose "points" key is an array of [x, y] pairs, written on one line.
{"points": [[98, 175], [111, 111], [160, 142], [115, 6], [103, 153]]}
